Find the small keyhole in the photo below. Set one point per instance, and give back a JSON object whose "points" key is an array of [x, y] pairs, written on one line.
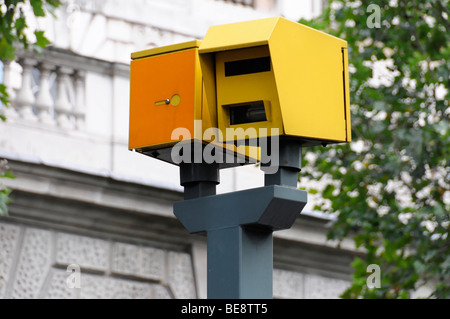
{"points": [[165, 102], [175, 101]]}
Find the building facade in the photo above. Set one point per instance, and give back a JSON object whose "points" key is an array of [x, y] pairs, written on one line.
{"points": [[84, 204]]}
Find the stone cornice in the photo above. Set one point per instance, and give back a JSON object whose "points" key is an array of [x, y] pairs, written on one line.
{"points": [[103, 191]]}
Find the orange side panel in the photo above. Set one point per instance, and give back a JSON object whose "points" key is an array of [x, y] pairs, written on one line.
{"points": [[153, 81]]}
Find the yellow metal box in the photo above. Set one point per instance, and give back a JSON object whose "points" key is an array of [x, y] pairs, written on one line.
{"points": [[168, 96], [275, 73]]}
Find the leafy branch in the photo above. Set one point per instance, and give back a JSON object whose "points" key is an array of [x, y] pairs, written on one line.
{"points": [[392, 195], [13, 34]]}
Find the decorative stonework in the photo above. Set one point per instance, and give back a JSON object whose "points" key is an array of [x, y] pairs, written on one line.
{"points": [[33, 265], [287, 284], [153, 263], [88, 253], [37, 261], [126, 259], [181, 279], [100, 287], [143, 262], [318, 287], [58, 288], [161, 292], [49, 94], [9, 236]]}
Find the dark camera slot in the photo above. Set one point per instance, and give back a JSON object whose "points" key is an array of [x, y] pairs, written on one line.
{"points": [[253, 112], [247, 66]]}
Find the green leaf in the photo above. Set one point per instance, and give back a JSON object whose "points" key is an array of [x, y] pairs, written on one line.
{"points": [[8, 174], [4, 200], [20, 24], [7, 51], [38, 8], [446, 264], [404, 295], [328, 191], [41, 40], [4, 96], [51, 5], [3, 209]]}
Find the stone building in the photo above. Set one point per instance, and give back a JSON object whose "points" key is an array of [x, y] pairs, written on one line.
{"points": [[83, 202]]}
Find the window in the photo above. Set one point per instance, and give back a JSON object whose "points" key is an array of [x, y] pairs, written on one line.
{"points": [[247, 66]]}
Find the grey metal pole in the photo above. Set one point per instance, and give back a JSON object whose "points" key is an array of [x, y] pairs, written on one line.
{"points": [[240, 259], [199, 180], [240, 225], [290, 164], [240, 263]]}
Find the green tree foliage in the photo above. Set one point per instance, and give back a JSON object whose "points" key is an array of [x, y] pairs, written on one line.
{"points": [[4, 192], [390, 187], [14, 32]]}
